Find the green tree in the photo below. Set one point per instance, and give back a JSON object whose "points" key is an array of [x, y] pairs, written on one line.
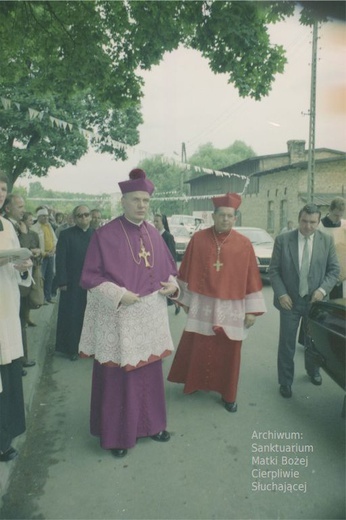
{"points": [[168, 180], [80, 62], [216, 159]]}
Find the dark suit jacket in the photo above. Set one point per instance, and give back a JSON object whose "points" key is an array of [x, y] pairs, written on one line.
{"points": [[284, 265]]}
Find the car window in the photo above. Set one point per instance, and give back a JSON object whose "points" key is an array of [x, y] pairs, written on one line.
{"points": [[179, 231]]}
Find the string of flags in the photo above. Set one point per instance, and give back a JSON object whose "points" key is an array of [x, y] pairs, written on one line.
{"points": [[61, 124], [171, 196], [90, 134]]}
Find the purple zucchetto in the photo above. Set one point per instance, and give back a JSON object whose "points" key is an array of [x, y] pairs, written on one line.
{"points": [[138, 182]]}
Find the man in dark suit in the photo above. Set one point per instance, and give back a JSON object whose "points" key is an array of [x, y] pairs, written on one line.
{"points": [[303, 269], [71, 249]]}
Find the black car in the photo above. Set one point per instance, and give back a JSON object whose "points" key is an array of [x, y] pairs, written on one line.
{"points": [[327, 329]]}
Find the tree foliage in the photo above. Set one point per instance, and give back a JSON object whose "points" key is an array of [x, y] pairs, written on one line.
{"points": [[36, 195], [169, 183], [169, 179], [80, 61], [216, 159]]}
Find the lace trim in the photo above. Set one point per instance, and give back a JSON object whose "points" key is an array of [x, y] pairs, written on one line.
{"points": [[124, 334]]}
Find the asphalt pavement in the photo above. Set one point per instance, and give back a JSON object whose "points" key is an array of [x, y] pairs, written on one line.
{"points": [[274, 459]]}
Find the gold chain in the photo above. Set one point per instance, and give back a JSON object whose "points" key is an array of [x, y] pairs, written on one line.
{"points": [[218, 264], [143, 253]]}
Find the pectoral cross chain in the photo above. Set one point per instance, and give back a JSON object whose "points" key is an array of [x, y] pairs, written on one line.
{"points": [[144, 254], [219, 264]]}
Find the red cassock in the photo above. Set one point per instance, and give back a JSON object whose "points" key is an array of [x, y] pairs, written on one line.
{"points": [[211, 360]]}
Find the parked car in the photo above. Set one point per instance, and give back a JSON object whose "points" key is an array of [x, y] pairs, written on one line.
{"points": [[263, 245], [182, 237], [326, 327], [201, 226], [189, 221]]}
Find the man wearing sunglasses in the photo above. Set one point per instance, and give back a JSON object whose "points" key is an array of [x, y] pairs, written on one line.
{"points": [[70, 253]]}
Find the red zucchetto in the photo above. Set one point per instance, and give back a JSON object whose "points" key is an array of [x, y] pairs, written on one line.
{"points": [[138, 182], [230, 200]]}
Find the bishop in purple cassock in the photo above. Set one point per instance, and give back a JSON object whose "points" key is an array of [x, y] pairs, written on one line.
{"points": [[128, 272]]}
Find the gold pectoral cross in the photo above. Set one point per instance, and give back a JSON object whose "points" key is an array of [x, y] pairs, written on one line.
{"points": [[144, 254], [218, 265]]}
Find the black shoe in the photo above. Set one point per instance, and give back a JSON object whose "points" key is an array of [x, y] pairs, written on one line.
{"points": [[231, 407], [24, 372], [119, 453], [29, 364], [10, 454], [316, 379], [285, 391], [161, 436]]}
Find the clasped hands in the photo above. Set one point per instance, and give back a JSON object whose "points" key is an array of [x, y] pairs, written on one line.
{"points": [[129, 298], [23, 266], [287, 304]]}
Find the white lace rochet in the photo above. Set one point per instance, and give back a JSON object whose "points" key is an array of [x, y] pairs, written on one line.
{"points": [[124, 334]]}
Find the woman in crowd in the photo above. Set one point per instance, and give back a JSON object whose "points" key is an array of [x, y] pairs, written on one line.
{"points": [[161, 224], [12, 273], [32, 242]]}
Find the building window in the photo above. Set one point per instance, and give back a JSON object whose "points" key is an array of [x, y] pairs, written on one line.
{"points": [[270, 217], [283, 214]]}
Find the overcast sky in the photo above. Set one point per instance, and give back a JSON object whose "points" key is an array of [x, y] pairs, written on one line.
{"points": [[185, 102]]}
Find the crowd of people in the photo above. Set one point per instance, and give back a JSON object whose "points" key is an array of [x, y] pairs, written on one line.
{"points": [[43, 238], [114, 283]]}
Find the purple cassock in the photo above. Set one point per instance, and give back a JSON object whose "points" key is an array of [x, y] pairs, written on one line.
{"points": [[127, 404]]}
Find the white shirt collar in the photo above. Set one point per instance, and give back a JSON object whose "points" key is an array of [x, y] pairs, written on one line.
{"points": [[302, 237], [135, 223]]}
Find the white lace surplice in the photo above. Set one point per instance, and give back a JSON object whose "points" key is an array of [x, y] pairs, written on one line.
{"points": [[125, 334], [206, 312]]}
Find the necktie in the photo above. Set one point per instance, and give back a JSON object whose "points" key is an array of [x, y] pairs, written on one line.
{"points": [[304, 271]]}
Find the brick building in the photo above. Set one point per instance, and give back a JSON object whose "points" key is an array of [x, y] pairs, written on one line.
{"points": [[277, 185]]}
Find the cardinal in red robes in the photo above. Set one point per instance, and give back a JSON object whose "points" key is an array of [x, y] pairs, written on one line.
{"points": [[221, 291], [128, 272]]}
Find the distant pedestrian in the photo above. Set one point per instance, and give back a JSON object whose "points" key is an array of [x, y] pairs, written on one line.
{"points": [[70, 253], [161, 224], [48, 242], [32, 242], [289, 227], [336, 211], [335, 225], [96, 218], [68, 223]]}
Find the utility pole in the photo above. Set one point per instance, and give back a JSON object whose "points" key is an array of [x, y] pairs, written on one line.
{"points": [[183, 160], [312, 114]]}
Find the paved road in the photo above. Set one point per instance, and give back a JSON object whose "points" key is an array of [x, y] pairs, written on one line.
{"points": [[215, 465]]}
